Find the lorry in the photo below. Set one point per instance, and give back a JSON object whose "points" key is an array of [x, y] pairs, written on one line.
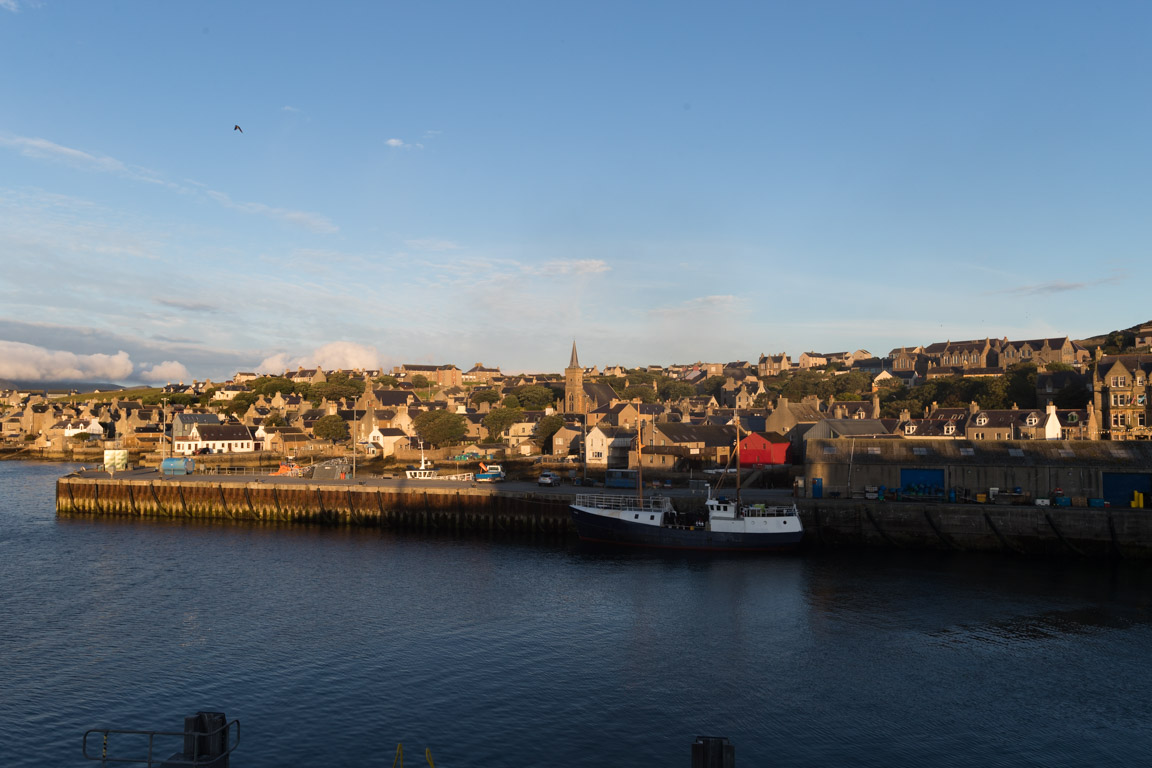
{"points": [[490, 473]]}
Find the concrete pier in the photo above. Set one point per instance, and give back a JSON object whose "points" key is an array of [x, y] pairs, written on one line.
{"points": [[1087, 532]]}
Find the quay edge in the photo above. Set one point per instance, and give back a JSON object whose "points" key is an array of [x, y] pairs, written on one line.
{"points": [[1086, 532]]}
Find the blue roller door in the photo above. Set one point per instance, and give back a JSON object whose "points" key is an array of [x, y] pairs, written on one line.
{"points": [[922, 482], [1119, 486]]}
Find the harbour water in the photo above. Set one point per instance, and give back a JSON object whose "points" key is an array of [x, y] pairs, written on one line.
{"points": [[332, 645]]}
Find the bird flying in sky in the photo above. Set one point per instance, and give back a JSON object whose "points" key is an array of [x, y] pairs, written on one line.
{"points": [[237, 128]]}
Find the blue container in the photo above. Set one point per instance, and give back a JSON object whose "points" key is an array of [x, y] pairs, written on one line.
{"points": [[1063, 501], [1097, 503], [817, 487], [177, 466]]}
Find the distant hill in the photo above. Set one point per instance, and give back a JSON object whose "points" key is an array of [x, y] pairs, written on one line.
{"points": [[64, 386], [1102, 339]]}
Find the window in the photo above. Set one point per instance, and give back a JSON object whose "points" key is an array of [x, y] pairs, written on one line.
{"points": [[1073, 418], [981, 420], [1017, 452], [1032, 420], [967, 452], [873, 450], [909, 429], [920, 451], [829, 449], [1066, 453], [949, 429]]}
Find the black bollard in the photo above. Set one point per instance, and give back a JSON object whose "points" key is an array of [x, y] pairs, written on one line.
{"points": [[713, 752], [205, 738]]}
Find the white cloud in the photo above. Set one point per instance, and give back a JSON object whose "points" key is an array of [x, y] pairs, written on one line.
{"points": [[169, 370], [288, 109], [25, 362], [9, 5], [312, 221], [335, 354], [401, 144]]}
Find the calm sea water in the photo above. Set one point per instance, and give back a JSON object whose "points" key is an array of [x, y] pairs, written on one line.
{"points": [[331, 646]]}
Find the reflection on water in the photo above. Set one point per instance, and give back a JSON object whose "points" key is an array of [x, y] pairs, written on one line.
{"points": [[513, 652]]}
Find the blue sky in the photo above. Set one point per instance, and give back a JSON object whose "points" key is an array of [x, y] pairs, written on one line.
{"points": [[462, 182]]}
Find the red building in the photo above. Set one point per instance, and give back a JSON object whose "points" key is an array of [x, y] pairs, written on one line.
{"points": [[762, 448]]}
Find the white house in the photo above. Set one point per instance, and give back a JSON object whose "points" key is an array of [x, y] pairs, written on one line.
{"points": [[608, 446], [217, 438]]}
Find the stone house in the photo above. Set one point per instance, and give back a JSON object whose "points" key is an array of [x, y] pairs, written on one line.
{"points": [[1121, 396], [440, 375], [773, 365]]}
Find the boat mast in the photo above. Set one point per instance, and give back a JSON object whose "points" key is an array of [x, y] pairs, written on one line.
{"points": [[737, 419], [639, 460]]}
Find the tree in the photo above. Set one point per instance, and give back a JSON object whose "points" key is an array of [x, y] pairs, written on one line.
{"points": [[241, 403], [485, 396], [712, 386], [535, 397], [545, 429], [440, 427], [511, 402], [330, 427], [274, 420], [385, 381], [420, 381], [670, 389], [639, 391], [498, 420]]}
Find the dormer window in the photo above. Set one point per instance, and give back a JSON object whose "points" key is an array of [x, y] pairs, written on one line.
{"points": [[949, 429], [1073, 418], [1032, 420], [981, 420], [909, 429]]}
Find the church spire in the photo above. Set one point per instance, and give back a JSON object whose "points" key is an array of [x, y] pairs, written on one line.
{"points": [[575, 361]]}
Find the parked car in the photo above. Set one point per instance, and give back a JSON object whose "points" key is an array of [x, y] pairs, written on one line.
{"points": [[548, 478]]}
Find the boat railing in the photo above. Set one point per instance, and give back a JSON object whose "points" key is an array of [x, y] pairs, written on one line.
{"points": [[608, 501], [203, 742], [765, 511]]}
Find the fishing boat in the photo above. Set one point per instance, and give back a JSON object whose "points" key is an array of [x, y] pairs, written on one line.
{"points": [[426, 470], [724, 524]]}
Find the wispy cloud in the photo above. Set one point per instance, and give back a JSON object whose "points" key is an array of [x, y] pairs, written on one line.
{"points": [[1060, 286], [47, 150], [431, 244], [312, 221], [188, 306], [401, 144], [9, 5], [701, 304], [287, 108], [569, 267]]}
